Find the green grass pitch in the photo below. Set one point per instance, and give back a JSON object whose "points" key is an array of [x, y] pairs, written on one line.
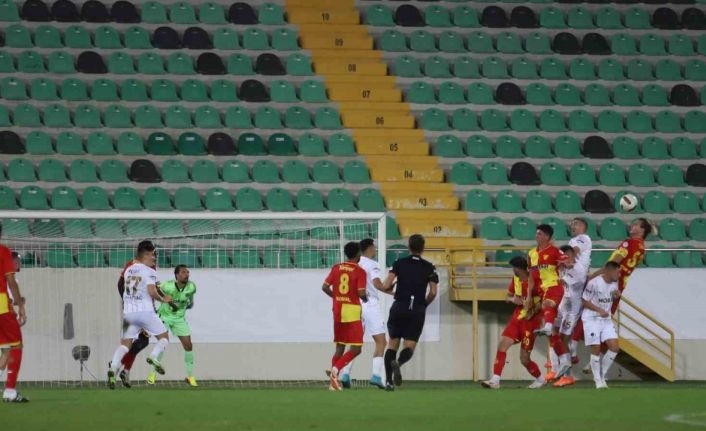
{"points": [[415, 406]]}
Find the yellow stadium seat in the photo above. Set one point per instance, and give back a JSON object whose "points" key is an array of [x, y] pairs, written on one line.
{"points": [[438, 258], [385, 148], [328, 54], [377, 119], [407, 162], [357, 79], [344, 67], [342, 4], [414, 135], [336, 41], [425, 216], [375, 106], [401, 187], [437, 228], [342, 93], [412, 174], [454, 243], [420, 200], [307, 29], [322, 15]]}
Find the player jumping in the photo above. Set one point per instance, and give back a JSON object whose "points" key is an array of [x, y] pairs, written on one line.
{"points": [[346, 285], [598, 298], [544, 262], [10, 323], [373, 321], [138, 309], [520, 328], [173, 315]]}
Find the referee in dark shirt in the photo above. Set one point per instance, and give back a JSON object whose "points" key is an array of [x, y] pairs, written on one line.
{"points": [[406, 320]]}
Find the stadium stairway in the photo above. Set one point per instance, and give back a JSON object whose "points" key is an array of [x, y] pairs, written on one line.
{"points": [[411, 180]]}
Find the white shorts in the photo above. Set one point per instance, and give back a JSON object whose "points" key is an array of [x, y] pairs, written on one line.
{"points": [[568, 314], [597, 331], [142, 320], [373, 322]]}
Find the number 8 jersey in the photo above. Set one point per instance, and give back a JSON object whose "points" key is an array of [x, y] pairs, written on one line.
{"points": [[346, 279], [136, 298]]}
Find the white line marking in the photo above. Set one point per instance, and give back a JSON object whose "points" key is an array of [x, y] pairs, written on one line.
{"points": [[687, 419]]}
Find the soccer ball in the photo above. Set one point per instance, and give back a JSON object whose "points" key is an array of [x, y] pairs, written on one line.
{"points": [[628, 202]]}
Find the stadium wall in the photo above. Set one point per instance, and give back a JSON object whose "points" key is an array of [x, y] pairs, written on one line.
{"points": [[95, 308]]}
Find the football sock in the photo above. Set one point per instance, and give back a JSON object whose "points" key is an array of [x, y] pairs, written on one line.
{"points": [[159, 348], [378, 363], [405, 355], [499, 363], [13, 368], [347, 369], [117, 356], [140, 343], [128, 360], [557, 345], [533, 369], [390, 355], [549, 314], [554, 359], [189, 362], [574, 348], [345, 359], [606, 362], [565, 359], [596, 368], [578, 331], [334, 359]]}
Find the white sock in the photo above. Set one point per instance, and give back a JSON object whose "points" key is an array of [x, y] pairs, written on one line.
{"points": [[117, 357], [554, 360], [540, 378], [574, 348], [596, 368], [346, 371], [606, 362], [495, 378], [564, 359], [548, 327], [10, 394], [378, 365], [159, 348]]}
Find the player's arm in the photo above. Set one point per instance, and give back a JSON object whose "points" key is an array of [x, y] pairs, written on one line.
{"points": [[327, 289], [361, 287], [389, 284], [20, 302], [591, 306], [530, 289], [433, 286], [121, 285], [157, 294]]}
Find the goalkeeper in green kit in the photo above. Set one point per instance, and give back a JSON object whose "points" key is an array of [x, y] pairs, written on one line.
{"points": [[173, 315]]}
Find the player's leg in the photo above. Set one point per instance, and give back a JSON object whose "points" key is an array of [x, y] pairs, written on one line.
{"points": [[351, 353], [378, 362], [188, 359], [552, 298], [500, 357], [526, 348], [411, 333], [393, 345], [138, 345], [3, 360], [593, 341], [154, 326], [125, 344], [611, 340]]}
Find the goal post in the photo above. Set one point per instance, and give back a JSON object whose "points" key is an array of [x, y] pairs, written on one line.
{"points": [[258, 278]]}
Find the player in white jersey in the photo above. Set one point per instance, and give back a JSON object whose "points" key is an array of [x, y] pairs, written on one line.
{"points": [[373, 321], [598, 326], [138, 309]]}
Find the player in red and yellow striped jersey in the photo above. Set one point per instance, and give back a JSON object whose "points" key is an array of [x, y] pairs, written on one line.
{"points": [[630, 254], [346, 285], [520, 328]]}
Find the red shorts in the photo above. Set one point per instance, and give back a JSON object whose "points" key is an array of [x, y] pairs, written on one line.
{"points": [[522, 331], [350, 333], [10, 334], [554, 294]]}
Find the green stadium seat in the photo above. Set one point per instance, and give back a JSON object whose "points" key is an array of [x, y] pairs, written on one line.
{"points": [[310, 200], [637, 18], [609, 18], [276, 258], [683, 148], [148, 117], [193, 90], [448, 146], [265, 171], [508, 147], [522, 120], [596, 95], [422, 41], [641, 175], [582, 174], [43, 89], [340, 199], [610, 121], [39, 143], [493, 173], [78, 229], [686, 202], [669, 175], [283, 92], [668, 70], [552, 68], [137, 38], [327, 118], [639, 122], [326, 172], [33, 198], [299, 65], [130, 144], [452, 42], [15, 228], [267, 117], [308, 259], [434, 67], [697, 229], [8, 11], [250, 144], [187, 199], [523, 68], [479, 146], [565, 94], [679, 44], [580, 18], [421, 92], [13, 89], [295, 172], [153, 13], [180, 64], [95, 199], [437, 16], [182, 13], [467, 68], [688, 259], [204, 171], [126, 199], [656, 202], [509, 201], [113, 171], [215, 257], [87, 116], [654, 95], [51, 170], [8, 200], [356, 172], [246, 258], [64, 198], [147, 63], [393, 40], [161, 144], [205, 117], [379, 16], [626, 95], [117, 117], [177, 117], [133, 90], [671, 229], [612, 175], [493, 120], [25, 115], [296, 118], [238, 117], [480, 94], [655, 149], [464, 120], [478, 201], [408, 67], [494, 68], [83, 171], [175, 171], [139, 229], [280, 144], [567, 147], [235, 171], [285, 40], [694, 122], [625, 147], [120, 63], [248, 199], [659, 259], [60, 256], [668, 122], [218, 199], [613, 229], [493, 228], [538, 44], [509, 43], [313, 92], [191, 144], [561, 230], [370, 200], [106, 228], [255, 39], [225, 39], [539, 201], [7, 64], [157, 199], [523, 228], [279, 200], [270, 14], [106, 37], [568, 202], [551, 120], [464, 173], [21, 170]]}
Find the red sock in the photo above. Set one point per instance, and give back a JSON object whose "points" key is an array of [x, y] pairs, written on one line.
{"points": [[345, 359], [555, 342], [533, 369], [128, 360], [549, 314], [578, 331], [499, 362], [13, 367], [334, 359]]}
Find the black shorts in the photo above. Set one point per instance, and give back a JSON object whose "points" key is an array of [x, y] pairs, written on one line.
{"points": [[406, 323]]}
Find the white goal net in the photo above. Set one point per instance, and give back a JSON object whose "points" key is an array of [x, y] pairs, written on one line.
{"points": [[259, 315]]}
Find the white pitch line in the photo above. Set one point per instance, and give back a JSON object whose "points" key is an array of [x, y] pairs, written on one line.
{"points": [[686, 419]]}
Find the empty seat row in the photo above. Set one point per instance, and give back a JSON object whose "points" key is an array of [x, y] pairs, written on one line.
{"points": [[569, 202], [188, 143], [568, 147], [163, 90], [553, 68], [622, 2], [564, 94], [524, 228], [106, 37], [540, 44], [150, 63], [524, 17], [580, 174], [175, 116], [176, 171], [550, 120], [188, 199], [149, 12]]}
